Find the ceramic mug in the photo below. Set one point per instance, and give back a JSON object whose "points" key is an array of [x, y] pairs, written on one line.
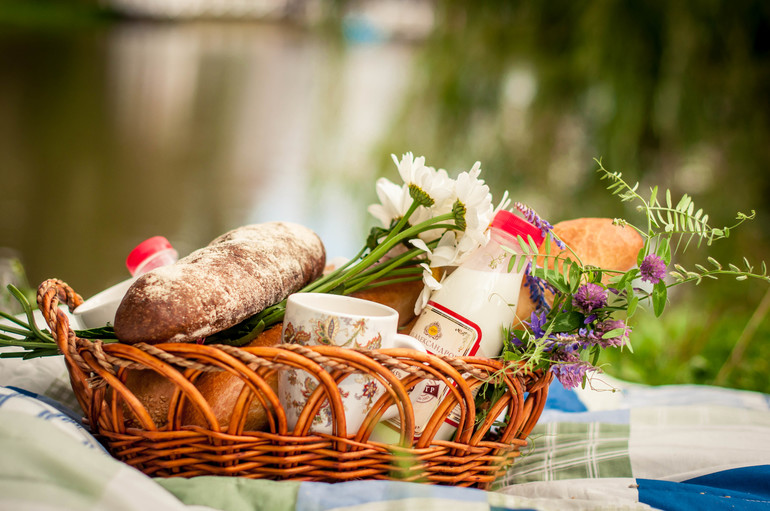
{"points": [[314, 319]]}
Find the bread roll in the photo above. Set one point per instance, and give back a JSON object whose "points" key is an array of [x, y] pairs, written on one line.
{"points": [[236, 276], [597, 242]]}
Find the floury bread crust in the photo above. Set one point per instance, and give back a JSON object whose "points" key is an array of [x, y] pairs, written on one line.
{"points": [[236, 276]]}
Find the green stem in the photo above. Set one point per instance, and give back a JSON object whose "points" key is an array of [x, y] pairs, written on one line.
{"points": [[26, 332], [700, 276], [27, 345], [332, 274], [383, 248], [29, 313], [11, 317], [355, 286]]}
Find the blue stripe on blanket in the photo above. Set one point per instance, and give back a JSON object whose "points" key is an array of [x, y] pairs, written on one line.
{"points": [[562, 399], [322, 496], [754, 480], [741, 489]]}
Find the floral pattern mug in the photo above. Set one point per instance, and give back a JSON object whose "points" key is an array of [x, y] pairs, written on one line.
{"points": [[314, 319]]}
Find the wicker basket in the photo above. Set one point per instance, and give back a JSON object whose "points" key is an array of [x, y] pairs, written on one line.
{"points": [[476, 457]]}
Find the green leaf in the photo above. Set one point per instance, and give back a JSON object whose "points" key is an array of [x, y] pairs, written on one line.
{"points": [[512, 261], [632, 304], [532, 245], [574, 277], [640, 256], [557, 281], [521, 262], [664, 250], [523, 245], [613, 333], [374, 236], [567, 321], [595, 352], [659, 295], [653, 194]]}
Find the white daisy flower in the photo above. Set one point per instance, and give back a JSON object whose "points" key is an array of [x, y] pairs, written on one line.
{"points": [[473, 196], [431, 284], [446, 252], [394, 201], [504, 203], [433, 185]]}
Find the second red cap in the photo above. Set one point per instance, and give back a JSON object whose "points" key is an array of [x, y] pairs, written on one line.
{"points": [[145, 250]]}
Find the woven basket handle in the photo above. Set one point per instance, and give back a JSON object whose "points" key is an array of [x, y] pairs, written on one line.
{"points": [[50, 294]]}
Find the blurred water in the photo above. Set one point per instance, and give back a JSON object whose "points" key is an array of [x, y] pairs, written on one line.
{"points": [[120, 130], [116, 134]]}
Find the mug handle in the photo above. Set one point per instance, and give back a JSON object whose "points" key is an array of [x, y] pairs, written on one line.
{"points": [[409, 342], [402, 341]]}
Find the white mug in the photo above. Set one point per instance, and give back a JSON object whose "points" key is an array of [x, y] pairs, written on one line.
{"points": [[314, 319]]}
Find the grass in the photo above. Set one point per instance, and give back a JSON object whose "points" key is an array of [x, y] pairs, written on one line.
{"points": [[717, 344]]}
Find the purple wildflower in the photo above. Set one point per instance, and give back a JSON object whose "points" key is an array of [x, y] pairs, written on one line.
{"points": [[533, 218], [571, 372], [653, 269], [608, 326], [537, 288], [589, 297], [536, 323]]}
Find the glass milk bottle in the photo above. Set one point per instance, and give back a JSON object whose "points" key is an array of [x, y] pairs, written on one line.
{"points": [[465, 317]]}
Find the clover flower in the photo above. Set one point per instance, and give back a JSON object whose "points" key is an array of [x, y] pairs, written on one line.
{"points": [[652, 269], [624, 332], [589, 297]]}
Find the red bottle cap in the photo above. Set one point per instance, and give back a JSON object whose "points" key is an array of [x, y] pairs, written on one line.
{"points": [[146, 250], [516, 226]]}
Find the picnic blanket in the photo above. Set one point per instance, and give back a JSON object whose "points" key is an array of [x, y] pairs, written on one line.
{"points": [[613, 446]]}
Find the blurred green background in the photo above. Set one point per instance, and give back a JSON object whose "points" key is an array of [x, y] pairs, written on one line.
{"points": [[117, 124]]}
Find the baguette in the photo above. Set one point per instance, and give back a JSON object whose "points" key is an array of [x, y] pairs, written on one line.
{"points": [[236, 276]]}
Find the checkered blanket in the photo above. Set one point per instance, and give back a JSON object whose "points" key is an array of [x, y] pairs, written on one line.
{"points": [[616, 446]]}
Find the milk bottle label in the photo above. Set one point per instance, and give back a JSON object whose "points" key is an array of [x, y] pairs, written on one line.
{"points": [[445, 333]]}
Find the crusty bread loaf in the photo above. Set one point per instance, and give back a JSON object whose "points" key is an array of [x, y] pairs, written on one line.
{"points": [[597, 242], [236, 276]]}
